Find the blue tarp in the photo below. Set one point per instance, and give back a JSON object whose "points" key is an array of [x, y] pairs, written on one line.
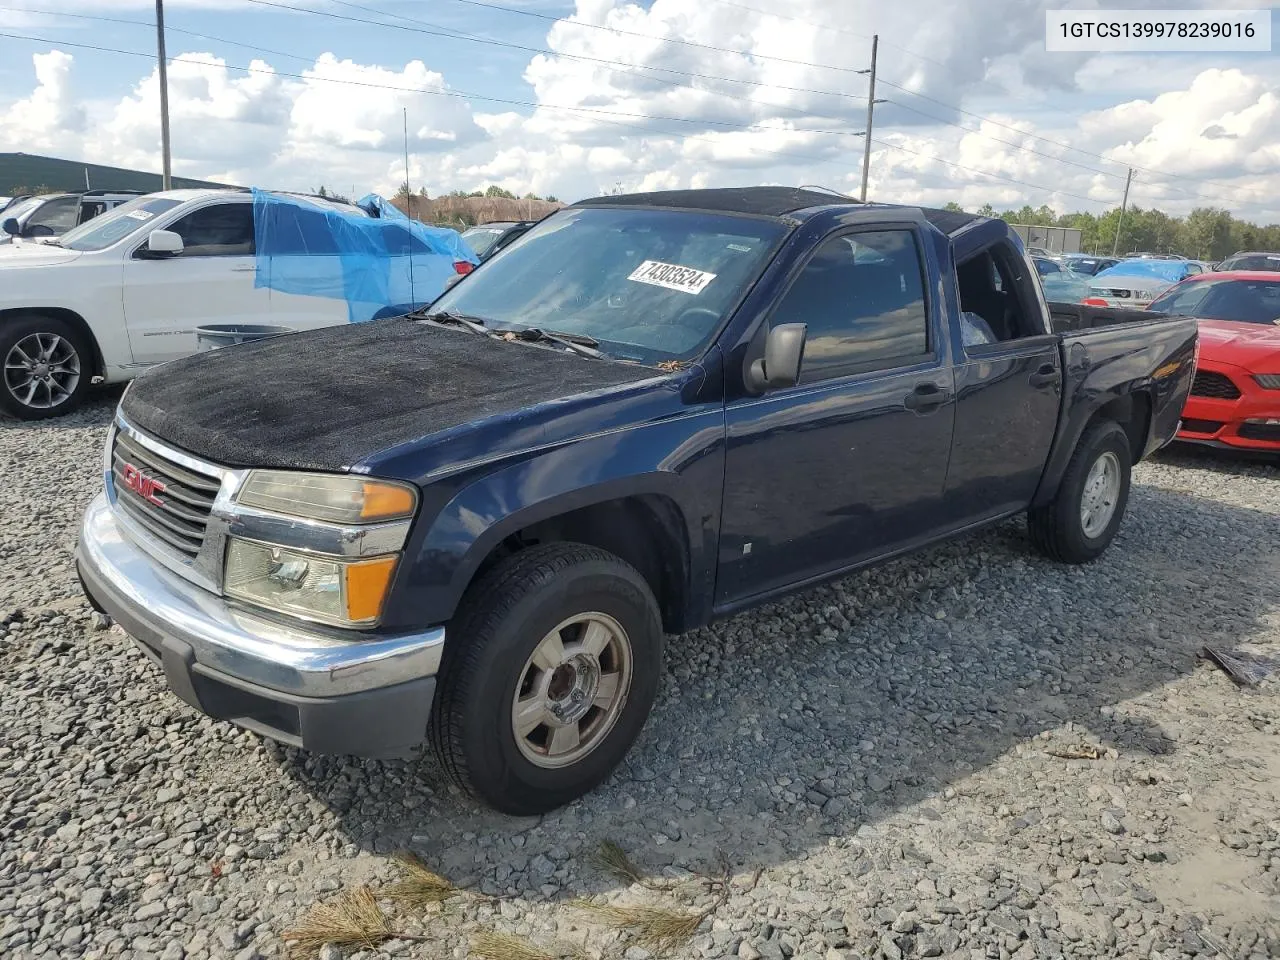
{"points": [[381, 265], [1171, 270]]}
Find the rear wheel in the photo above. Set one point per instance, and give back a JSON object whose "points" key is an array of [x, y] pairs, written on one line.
{"points": [[46, 367], [1082, 519], [549, 676]]}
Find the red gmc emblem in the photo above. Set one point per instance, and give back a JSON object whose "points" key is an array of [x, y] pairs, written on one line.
{"points": [[144, 486]]}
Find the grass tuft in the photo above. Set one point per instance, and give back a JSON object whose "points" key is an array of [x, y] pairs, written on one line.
{"points": [[655, 927], [352, 919], [612, 859], [506, 946], [418, 885]]}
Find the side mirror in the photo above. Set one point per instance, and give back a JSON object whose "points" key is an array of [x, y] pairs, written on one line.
{"points": [[783, 355], [164, 243], [10, 226]]}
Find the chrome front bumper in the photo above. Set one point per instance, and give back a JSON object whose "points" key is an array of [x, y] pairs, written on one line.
{"points": [[328, 690]]}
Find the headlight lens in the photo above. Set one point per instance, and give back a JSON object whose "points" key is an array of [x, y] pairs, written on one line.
{"points": [[1268, 381], [307, 585], [337, 498]]}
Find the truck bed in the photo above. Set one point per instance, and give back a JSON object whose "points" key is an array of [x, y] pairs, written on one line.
{"points": [[1067, 317]]}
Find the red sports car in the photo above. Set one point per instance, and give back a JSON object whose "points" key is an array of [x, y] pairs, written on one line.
{"points": [[1235, 399]]}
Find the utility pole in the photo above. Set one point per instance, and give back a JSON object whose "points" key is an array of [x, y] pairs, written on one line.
{"points": [[871, 110], [1123, 203], [408, 208], [408, 192], [167, 181]]}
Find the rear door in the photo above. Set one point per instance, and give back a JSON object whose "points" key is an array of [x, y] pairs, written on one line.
{"points": [[1008, 391], [850, 463], [211, 281]]}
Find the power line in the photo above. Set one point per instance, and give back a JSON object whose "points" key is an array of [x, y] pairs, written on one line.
{"points": [[984, 173], [465, 95], [1039, 153], [169, 28], [448, 33], [617, 30], [1056, 143], [610, 65], [455, 94], [614, 66], [629, 33], [828, 28], [460, 94]]}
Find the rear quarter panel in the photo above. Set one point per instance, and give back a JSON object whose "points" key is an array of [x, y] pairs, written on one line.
{"points": [[1155, 358]]}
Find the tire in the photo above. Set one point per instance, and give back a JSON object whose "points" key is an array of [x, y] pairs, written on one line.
{"points": [[503, 654], [1064, 529], [45, 367]]}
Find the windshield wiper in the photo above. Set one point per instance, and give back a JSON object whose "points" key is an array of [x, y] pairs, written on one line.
{"points": [[474, 324], [579, 343]]}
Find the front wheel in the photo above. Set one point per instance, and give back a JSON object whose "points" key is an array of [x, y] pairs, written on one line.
{"points": [[1082, 519], [47, 367], [550, 673]]}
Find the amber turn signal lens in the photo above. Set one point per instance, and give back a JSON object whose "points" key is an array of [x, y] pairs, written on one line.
{"points": [[366, 587], [383, 500]]}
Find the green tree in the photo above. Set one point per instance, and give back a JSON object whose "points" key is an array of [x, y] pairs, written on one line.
{"points": [[496, 191], [1206, 234]]}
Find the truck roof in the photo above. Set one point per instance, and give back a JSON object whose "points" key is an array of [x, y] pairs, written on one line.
{"points": [[770, 202]]}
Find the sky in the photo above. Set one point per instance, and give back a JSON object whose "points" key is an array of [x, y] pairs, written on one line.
{"points": [[581, 98]]}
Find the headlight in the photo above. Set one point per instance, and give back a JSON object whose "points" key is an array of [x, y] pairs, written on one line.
{"points": [[1268, 381], [328, 589], [337, 498]]}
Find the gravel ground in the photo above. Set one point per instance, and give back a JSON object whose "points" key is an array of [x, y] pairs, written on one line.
{"points": [[882, 750]]}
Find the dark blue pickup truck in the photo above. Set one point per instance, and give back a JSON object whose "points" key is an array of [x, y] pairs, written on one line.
{"points": [[475, 526]]}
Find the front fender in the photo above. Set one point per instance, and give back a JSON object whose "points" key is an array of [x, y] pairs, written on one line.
{"points": [[679, 459]]}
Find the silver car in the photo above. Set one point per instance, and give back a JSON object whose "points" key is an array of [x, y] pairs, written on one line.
{"points": [[1136, 282]]}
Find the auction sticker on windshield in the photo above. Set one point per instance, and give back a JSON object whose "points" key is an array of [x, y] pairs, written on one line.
{"points": [[672, 276]]}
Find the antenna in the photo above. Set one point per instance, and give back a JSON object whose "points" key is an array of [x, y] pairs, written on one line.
{"points": [[408, 206]]}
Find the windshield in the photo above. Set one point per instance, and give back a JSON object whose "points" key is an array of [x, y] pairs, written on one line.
{"points": [[1253, 261], [114, 225], [649, 285], [1243, 301], [480, 239]]}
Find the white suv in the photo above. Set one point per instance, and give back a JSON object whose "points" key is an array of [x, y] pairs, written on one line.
{"points": [[128, 289]]}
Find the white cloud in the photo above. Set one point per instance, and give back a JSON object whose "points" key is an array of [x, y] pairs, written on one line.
{"points": [[631, 114], [50, 118]]}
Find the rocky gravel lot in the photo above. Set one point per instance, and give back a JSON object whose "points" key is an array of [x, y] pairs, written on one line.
{"points": [[892, 752]]}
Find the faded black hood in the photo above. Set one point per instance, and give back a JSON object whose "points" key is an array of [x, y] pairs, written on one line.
{"points": [[327, 399]]}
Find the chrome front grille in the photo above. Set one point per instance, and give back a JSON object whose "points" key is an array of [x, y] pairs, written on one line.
{"points": [[168, 500]]}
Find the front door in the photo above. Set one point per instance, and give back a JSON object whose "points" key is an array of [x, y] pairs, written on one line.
{"points": [[849, 464], [210, 282]]}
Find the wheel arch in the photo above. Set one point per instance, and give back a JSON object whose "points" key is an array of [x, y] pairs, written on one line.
{"points": [[652, 520], [70, 317], [1132, 410], [646, 530]]}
